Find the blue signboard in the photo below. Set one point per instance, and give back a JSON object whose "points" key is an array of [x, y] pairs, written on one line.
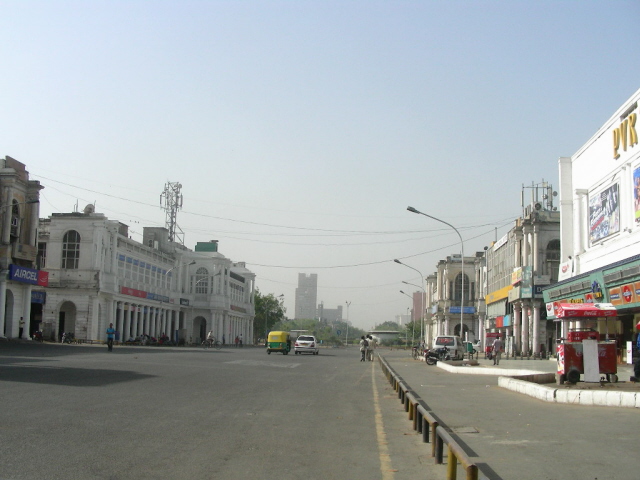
{"points": [[38, 297], [470, 310]]}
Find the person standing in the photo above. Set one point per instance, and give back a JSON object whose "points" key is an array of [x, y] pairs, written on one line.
{"points": [[237, 340], [110, 335], [364, 345], [240, 341], [497, 350], [21, 327]]}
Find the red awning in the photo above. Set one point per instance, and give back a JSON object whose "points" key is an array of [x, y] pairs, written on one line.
{"points": [[581, 310]]}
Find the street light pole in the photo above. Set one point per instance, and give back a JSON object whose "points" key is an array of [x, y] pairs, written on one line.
{"points": [[413, 210], [423, 309], [412, 328], [346, 338]]}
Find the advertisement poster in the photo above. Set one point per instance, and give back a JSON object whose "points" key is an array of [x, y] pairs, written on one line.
{"points": [[636, 194], [604, 213]]}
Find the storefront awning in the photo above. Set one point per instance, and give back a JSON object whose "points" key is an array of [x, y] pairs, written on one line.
{"points": [[581, 310]]}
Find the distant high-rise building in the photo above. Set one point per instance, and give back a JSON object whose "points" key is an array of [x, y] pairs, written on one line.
{"points": [[306, 296], [329, 315]]}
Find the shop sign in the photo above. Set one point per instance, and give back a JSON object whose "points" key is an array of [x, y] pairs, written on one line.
{"points": [[623, 295], [499, 321], [184, 302], [565, 270], [470, 310], [596, 290], [38, 297], [28, 275], [625, 135], [516, 276]]}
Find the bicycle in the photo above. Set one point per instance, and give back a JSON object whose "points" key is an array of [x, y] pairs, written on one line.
{"points": [[211, 342]]}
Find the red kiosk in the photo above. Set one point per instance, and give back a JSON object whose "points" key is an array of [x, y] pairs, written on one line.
{"points": [[570, 353]]}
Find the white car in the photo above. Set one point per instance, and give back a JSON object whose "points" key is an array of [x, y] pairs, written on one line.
{"points": [[306, 344]]}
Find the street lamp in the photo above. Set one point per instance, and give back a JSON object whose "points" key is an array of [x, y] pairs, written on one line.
{"points": [[412, 329], [424, 298], [192, 262], [346, 338], [413, 210]]}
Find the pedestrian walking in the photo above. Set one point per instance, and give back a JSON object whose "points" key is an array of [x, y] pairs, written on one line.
{"points": [[111, 332], [364, 345], [372, 347], [497, 350], [240, 341], [21, 327], [237, 340]]}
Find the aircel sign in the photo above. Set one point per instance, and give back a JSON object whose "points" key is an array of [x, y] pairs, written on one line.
{"points": [[28, 275]]}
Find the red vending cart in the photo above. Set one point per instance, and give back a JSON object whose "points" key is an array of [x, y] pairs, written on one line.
{"points": [[570, 350]]}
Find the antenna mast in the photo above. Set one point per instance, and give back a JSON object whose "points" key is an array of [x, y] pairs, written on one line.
{"points": [[172, 199]]}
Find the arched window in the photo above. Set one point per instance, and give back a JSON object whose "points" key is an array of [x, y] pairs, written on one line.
{"points": [[202, 280], [70, 250], [457, 294]]}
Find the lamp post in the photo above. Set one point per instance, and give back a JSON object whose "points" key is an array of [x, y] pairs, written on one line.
{"points": [[346, 338], [412, 329], [413, 210], [192, 262], [424, 298]]}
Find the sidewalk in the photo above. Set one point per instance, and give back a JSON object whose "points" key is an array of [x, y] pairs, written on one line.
{"points": [[512, 435], [620, 394]]}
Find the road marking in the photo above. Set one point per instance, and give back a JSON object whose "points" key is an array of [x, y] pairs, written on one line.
{"points": [[383, 450], [253, 363]]}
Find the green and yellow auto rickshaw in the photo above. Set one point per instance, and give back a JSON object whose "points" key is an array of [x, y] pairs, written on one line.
{"points": [[279, 342]]}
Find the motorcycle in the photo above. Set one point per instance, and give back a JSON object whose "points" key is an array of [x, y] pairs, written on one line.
{"points": [[37, 336], [438, 355], [68, 337]]}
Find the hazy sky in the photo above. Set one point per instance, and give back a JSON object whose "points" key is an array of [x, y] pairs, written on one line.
{"points": [[301, 131]]}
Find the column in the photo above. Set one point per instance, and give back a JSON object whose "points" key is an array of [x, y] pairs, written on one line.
{"points": [[3, 301], [120, 320], [127, 324], [517, 321], [152, 321], [112, 318], [135, 317], [536, 328], [26, 312], [145, 320], [525, 329]]}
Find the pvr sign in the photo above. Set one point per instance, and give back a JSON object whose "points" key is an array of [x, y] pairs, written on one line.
{"points": [[626, 134]]}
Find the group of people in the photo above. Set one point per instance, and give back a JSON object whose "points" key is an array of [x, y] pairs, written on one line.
{"points": [[368, 345]]}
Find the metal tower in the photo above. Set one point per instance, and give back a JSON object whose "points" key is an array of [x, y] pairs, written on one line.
{"points": [[172, 199]]}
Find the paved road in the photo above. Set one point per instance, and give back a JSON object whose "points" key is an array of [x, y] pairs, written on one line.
{"points": [[78, 412], [518, 437]]}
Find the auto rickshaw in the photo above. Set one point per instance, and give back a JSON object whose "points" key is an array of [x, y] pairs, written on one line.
{"points": [[279, 342]]}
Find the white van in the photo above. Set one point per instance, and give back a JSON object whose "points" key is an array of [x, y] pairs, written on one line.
{"points": [[452, 342]]}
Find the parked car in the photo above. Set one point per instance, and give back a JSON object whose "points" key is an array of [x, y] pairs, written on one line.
{"points": [[306, 344], [453, 343]]}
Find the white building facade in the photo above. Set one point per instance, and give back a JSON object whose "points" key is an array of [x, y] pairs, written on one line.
{"points": [[600, 226], [98, 275], [19, 196]]}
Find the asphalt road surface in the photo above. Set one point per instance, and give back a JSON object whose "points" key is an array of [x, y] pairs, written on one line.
{"points": [[80, 412]]}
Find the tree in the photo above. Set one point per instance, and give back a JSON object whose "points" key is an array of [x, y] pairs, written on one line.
{"points": [[269, 311], [412, 330], [388, 325]]}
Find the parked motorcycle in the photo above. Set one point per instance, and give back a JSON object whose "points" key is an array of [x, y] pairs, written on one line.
{"points": [[68, 337], [438, 355], [37, 336]]}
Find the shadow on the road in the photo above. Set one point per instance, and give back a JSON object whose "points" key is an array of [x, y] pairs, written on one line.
{"points": [[71, 377]]}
